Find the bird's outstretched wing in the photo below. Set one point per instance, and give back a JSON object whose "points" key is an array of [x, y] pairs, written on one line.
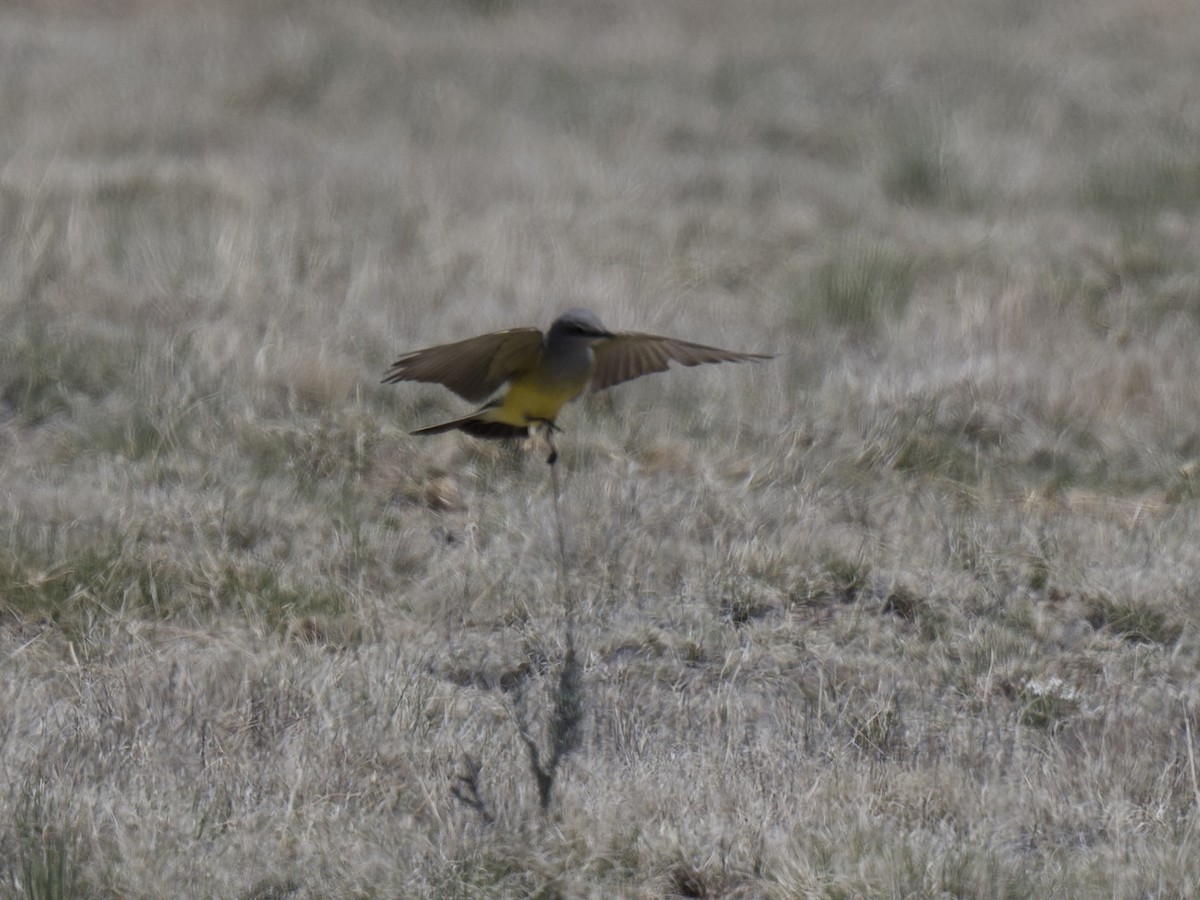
{"points": [[630, 355], [473, 368]]}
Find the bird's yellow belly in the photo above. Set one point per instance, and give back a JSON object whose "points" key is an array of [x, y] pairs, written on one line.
{"points": [[529, 399]]}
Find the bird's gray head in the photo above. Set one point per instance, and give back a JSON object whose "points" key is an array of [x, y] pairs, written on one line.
{"points": [[579, 323]]}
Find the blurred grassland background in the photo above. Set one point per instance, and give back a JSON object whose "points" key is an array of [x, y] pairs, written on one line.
{"points": [[909, 611]]}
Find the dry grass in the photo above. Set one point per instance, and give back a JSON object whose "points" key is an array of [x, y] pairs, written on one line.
{"points": [[910, 611]]}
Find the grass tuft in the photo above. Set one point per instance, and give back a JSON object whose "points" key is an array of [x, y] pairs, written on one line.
{"points": [[47, 367], [918, 609], [1136, 620], [879, 732], [1044, 703], [44, 865], [861, 286], [839, 580], [920, 167], [74, 589], [1141, 182]]}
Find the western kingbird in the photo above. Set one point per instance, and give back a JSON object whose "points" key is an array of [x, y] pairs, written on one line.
{"points": [[543, 371]]}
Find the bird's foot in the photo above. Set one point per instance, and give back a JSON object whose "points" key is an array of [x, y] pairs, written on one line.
{"points": [[547, 430]]}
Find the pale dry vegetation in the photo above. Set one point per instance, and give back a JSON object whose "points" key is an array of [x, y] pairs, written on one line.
{"points": [[909, 611]]}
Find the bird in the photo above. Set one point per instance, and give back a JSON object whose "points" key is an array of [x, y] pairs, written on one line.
{"points": [[543, 372]]}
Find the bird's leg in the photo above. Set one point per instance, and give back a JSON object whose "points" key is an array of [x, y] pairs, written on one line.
{"points": [[548, 428]]}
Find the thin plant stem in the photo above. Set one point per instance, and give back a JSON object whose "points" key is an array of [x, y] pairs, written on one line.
{"points": [[563, 592]]}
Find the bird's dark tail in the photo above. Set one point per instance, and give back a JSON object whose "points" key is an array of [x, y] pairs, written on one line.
{"points": [[479, 427]]}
